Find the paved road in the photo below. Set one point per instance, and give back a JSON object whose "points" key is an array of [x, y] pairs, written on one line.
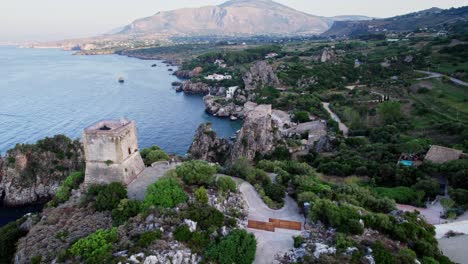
{"points": [[455, 248], [431, 214], [439, 75], [460, 226], [137, 189], [269, 244], [341, 125]]}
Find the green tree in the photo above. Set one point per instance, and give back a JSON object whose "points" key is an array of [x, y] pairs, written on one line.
{"points": [[9, 236], [226, 184], [390, 113], [196, 172], [96, 247], [201, 195], [153, 154], [126, 209], [108, 196], [166, 192], [237, 247], [301, 117]]}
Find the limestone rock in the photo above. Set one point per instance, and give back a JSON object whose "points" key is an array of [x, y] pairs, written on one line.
{"points": [[195, 88], [191, 224], [221, 108], [206, 146], [258, 136], [32, 173], [260, 74]]}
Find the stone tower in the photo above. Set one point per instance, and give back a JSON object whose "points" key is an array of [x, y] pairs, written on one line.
{"points": [[111, 152]]}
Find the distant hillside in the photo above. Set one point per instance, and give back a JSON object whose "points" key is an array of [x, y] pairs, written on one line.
{"points": [[235, 17], [433, 18]]}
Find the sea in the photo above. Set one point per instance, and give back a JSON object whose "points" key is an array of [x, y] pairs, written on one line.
{"points": [[45, 92]]}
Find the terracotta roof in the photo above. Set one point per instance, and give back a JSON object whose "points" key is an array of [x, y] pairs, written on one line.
{"points": [[439, 154]]}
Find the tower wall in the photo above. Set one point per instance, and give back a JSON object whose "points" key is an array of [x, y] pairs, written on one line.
{"points": [[111, 152]]}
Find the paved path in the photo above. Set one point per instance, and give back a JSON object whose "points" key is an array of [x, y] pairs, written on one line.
{"points": [[431, 214], [432, 75], [455, 248], [137, 188], [269, 244], [460, 227], [335, 117]]}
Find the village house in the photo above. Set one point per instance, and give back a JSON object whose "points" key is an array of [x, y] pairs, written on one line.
{"points": [[440, 155], [220, 63], [218, 77]]}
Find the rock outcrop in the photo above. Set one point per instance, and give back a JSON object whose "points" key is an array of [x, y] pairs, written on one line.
{"points": [[260, 74], [258, 136], [32, 173], [194, 88], [186, 74], [221, 108], [206, 146]]}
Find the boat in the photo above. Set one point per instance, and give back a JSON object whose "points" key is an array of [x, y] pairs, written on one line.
{"points": [[154, 65], [121, 80]]}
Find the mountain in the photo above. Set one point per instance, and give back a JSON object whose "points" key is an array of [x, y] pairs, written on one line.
{"points": [[434, 18], [351, 18], [235, 17]]}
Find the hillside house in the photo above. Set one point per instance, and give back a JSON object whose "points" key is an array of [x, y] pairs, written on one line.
{"points": [[271, 55], [218, 77], [220, 63], [440, 155]]}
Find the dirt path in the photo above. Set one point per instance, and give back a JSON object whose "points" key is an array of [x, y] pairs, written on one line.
{"points": [[335, 117], [269, 244], [432, 75]]}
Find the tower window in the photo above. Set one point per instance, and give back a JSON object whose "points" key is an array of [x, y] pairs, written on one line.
{"points": [[129, 151]]}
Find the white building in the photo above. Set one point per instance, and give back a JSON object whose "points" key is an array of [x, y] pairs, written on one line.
{"points": [[220, 63], [271, 55], [231, 91], [218, 77]]}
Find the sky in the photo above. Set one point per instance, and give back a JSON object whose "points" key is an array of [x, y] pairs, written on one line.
{"points": [[43, 20]]}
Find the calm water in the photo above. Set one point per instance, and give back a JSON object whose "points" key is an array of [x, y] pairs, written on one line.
{"points": [[44, 92]]}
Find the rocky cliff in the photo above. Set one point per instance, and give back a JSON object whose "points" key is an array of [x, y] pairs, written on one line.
{"points": [[258, 136], [206, 145], [260, 74], [32, 173], [219, 107]]}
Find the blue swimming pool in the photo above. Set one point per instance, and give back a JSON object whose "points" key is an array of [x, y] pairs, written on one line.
{"points": [[406, 162]]}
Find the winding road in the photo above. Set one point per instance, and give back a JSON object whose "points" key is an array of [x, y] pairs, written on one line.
{"points": [[343, 128], [270, 244], [432, 75]]}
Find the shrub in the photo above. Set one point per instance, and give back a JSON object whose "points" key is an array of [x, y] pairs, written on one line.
{"points": [[238, 247], [201, 195], [206, 217], [153, 154], [125, 210], [36, 259], [404, 195], [430, 187], [345, 218], [182, 233], [226, 184], [146, 238], [73, 181], [96, 247], [196, 172], [382, 255], [276, 192], [301, 117], [166, 192], [258, 176], [108, 196], [241, 168], [298, 240], [9, 235]]}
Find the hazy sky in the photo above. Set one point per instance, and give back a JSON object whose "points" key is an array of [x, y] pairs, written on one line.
{"points": [[22, 20]]}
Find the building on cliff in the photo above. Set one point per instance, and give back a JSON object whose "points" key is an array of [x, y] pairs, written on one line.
{"points": [[111, 152]]}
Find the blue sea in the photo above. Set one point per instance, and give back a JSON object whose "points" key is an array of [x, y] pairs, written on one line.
{"points": [[44, 92]]}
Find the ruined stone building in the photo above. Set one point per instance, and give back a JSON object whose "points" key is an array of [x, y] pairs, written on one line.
{"points": [[111, 152]]}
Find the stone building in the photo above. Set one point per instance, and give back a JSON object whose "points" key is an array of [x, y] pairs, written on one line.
{"points": [[111, 152]]}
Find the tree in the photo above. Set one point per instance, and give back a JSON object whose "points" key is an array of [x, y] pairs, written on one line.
{"points": [[301, 117], [153, 154], [390, 113], [226, 184], [275, 191], [196, 172], [166, 192], [238, 247], [201, 195], [109, 196], [126, 209], [96, 247]]}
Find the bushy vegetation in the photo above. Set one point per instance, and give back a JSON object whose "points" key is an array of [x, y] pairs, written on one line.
{"points": [[126, 209], [73, 181], [166, 192], [226, 184], [106, 197], [9, 236], [96, 247], [153, 154], [238, 247], [196, 172]]}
